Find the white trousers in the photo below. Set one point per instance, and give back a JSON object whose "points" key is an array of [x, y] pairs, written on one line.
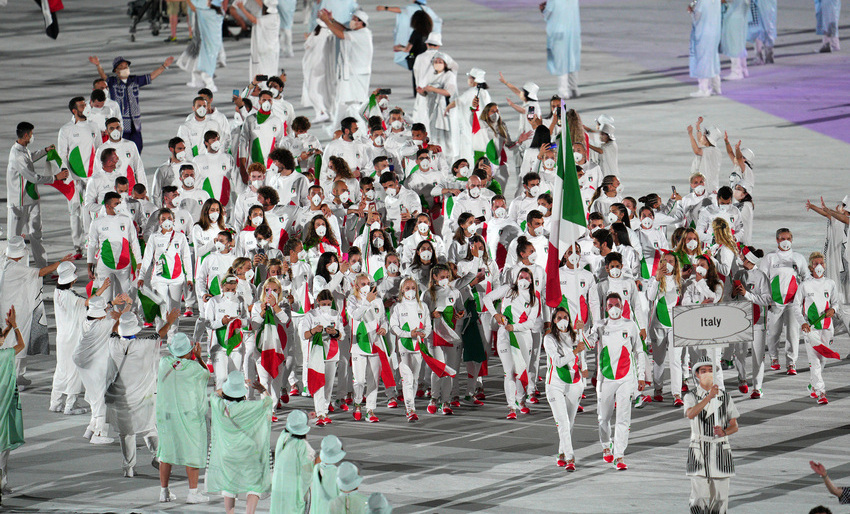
{"points": [[514, 392], [128, 447], [759, 334], [568, 85], [610, 392], [343, 371], [563, 400], [26, 220], [366, 370], [816, 363], [97, 424], [172, 291], [119, 280], [441, 387], [709, 495], [224, 364], [408, 367], [662, 347], [779, 317], [322, 398], [78, 229], [534, 362]]}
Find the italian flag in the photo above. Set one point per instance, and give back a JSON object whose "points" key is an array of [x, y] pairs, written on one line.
{"points": [[215, 286], [409, 343], [303, 300], [131, 177], [172, 266], [383, 349], [152, 304], [583, 313], [316, 357], [568, 374], [649, 265], [783, 286], [483, 146], [271, 341], [440, 368], [220, 190], [819, 345], [115, 257], [77, 165], [53, 165], [257, 152], [374, 265], [568, 220], [624, 364], [361, 337], [448, 207], [444, 329], [230, 337], [816, 318], [516, 351], [662, 312]]}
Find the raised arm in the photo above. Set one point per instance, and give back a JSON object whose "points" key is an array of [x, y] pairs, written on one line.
{"points": [[694, 145], [162, 67], [389, 8], [334, 26], [96, 61], [510, 86]]}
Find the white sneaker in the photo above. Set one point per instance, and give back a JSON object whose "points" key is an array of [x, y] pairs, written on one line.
{"points": [[197, 498], [129, 473], [322, 117], [165, 495], [701, 93], [74, 411], [88, 433], [99, 439], [734, 76], [55, 407], [155, 462]]}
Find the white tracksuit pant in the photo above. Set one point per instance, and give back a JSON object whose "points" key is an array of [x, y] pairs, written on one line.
{"points": [[563, 400], [343, 371], [759, 334], [568, 85], [817, 361], [224, 364], [97, 424], [514, 392], [455, 363], [534, 362], [441, 387], [26, 219], [619, 392], [709, 495], [662, 348], [366, 370], [79, 231], [119, 280], [408, 367], [779, 317], [128, 447], [172, 291], [322, 398]]}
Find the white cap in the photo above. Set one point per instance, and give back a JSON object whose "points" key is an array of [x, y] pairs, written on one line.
{"points": [[434, 38], [478, 75], [128, 325], [602, 119], [746, 185], [607, 128], [748, 155], [846, 200], [67, 272], [531, 90], [701, 363], [362, 16], [713, 134], [348, 477], [97, 307], [16, 248]]}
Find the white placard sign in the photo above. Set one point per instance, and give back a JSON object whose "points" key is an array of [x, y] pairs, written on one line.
{"points": [[713, 324]]}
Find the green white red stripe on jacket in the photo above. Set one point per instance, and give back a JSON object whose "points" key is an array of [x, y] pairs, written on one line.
{"points": [[517, 354], [229, 336], [271, 342], [783, 286]]}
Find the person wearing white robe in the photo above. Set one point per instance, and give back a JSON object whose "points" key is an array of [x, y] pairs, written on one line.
{"points": [[354, 67], [761, 29], [70, 310], [131, 394], [265, 40], [403, 30], [563, 43], [286, 13], [423, 66], [704, 59], [210, 19], [439, 89], [476, 79], [733, 37], [313, 71], [826, 14]]}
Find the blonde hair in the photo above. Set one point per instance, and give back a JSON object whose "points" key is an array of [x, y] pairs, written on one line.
{"points": [[723, 235], [695, 176], [677, 273], [273, 281], [237, 263], [680, 246], [815, 255], [401, 285], [356, 290]]}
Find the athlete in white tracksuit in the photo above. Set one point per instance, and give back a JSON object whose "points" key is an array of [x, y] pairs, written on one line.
{"points": [[756, 290], [565, 373], [78, 141], [785, 269], [621, 364], [662, 296], [814, 306], [112, 245], [410, 322], [368, 324]]}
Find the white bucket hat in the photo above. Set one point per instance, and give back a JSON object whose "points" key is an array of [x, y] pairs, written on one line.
{"points": [[434, 39], [378, 504], [128, 325], [16, 248], [348, 477], [602, 119], [713, 134], [97, 307], [531, 90], [296, 423], [234, 386], [607, 128], [748, 156], [478, 75], [331, 451], [362, 16], [67, 272], [179, 344]]}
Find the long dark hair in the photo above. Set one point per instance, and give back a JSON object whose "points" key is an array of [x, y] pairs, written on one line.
{"points": [[711, 278], [515, 289], [387, 246], [475, 238], [459, 236], [421, 23], [417, 262], [556, 332], [312, 239], [432, 283], [205, 223], [322, 265], [619, 229]]}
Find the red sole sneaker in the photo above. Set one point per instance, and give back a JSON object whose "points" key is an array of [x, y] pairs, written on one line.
{"points": [[621, 466], [608, 458], [373, 419], [432, 409], [511, 415], [744, 388], [822, 400], [533, 400], [392, 404], [525, 410], [358, 416], [477, 402], [658, 398], [580, 409], [455, 403], [294, 392], [756, 395], [791, 371], [562, 463], [570, 467], [420, 393], [447, 411], [678, 402]]}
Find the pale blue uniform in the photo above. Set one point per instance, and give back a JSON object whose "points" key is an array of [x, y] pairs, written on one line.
{"points": [[286, 11], [762, 22], [704, 61], [563, 36], [733, 34], [826, 13], [209, 23], [402, 30], [340, 9]]}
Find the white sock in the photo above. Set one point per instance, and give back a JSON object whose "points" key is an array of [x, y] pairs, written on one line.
{"points": [[193, 491], [163, 490]]}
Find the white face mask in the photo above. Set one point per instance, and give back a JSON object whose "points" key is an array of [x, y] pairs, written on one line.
{"points": [[699, 190], [819, 270], [375, 225], [443, 282], [189, 182], [724, 207], [410, 294], [249, 275], [383, 103], [214, 216], [474, 192], [691, 245], [532, 256], [397, 125], [257, 184], [701, 271], [464, 171], [573, 259], [423, 228], [370, 194], [472, 228], [257, 220], [620, 189], [426, 255], [321, 230], [612, 218], [219, 246], [115, 135], [425, 164], [669, 267], [392, 268], [378, 242], [577, 156], [180, 156], [201, 111], [615, 272], [391, 192], [325, 309], [302, 255], [230, 296], [123, 74], [264, 243], [333, 268], [563, 325], [379, 141], [274, 91], [344, 196], [501, 212], [316, 199], [646, 223], [364, 290], [549, 163], [534, 191], [355, 267], [273, 169], [523, 284], [785, 245], [167, 225], [494, 117], [266, 106], [215, 146]]}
